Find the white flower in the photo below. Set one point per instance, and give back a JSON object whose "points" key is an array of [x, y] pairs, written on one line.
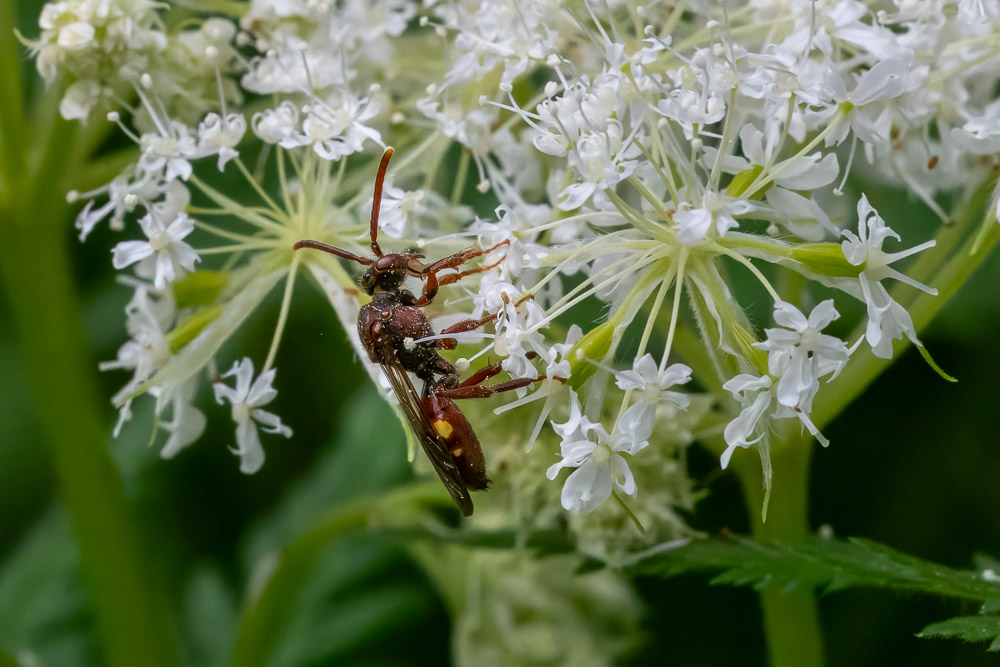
{"points": [[165, 256], [799, 354], [645, 377], [602, 161], [887, 320], [246, 399], [187, 422], [516, 335], [398, 208], [754, 394], [146, 352], [695, 223], [168, 150], [336, 127], [278, 126], [980, 135], [218, 135], [599, 465], [79, 99]]}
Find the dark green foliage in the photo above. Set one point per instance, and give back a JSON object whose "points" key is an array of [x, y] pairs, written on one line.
{"points": [[970, 628]]}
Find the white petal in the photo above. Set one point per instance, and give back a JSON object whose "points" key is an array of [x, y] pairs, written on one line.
{"points": [[224, 391], [675, 374], [622, 475], [587, 488], [692, 225], [726, 455], [183, 255], [248, 447], [180, 227], [165, 272], [746, 382], [271, 422], [740, 430], [262, 393], [822, 315], [576, 452], [188, 425], [789, 316], [130, 252], [634, 427], [244, 373]]}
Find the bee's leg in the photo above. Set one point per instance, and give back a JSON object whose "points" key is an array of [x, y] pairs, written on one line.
{"points": [[483, 374], [483, 391], [469, 325], [430, 271]]}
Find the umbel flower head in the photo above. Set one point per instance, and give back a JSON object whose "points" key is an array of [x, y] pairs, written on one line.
{"points": [[663, 169]]}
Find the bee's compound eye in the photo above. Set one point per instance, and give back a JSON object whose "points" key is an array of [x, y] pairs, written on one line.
{"points": [[385, 263]]}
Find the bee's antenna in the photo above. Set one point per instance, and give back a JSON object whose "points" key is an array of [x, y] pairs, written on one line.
{"points": [[343, 254], [377, 199]]}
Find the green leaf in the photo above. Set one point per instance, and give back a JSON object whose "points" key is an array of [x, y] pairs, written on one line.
{"points": [[823, 564], [208, 617], [43, 607], [969, 628], [829, 565], [301, 607]]}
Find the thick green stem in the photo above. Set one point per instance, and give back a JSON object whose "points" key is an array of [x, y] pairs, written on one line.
{"points": [[134, 622], [35, 273], [791, 618]]}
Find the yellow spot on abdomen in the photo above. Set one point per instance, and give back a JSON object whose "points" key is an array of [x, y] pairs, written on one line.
{"points": [[443, 428]]}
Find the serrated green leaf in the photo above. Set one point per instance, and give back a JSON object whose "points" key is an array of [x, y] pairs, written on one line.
{"points": [[828, 565], [824, 565], [969, 628]]}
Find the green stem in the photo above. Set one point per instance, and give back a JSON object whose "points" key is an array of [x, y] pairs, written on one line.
{"points": [[132, 616], [791, 618], [35, 273], [12, 94]]}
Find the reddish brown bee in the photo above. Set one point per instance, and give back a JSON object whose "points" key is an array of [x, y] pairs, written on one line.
{"points": [[392, 327]]}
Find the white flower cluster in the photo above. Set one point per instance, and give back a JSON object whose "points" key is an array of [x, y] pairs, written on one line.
{"points": [[652, 161]]}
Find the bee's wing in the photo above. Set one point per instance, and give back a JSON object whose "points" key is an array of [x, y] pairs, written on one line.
{"points": [[437, 452]]}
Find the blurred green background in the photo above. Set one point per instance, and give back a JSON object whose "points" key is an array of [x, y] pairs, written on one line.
{"points": [[912, 464]]}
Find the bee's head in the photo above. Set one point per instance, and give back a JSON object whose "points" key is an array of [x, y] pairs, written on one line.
{"points": [[386, 273]]}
